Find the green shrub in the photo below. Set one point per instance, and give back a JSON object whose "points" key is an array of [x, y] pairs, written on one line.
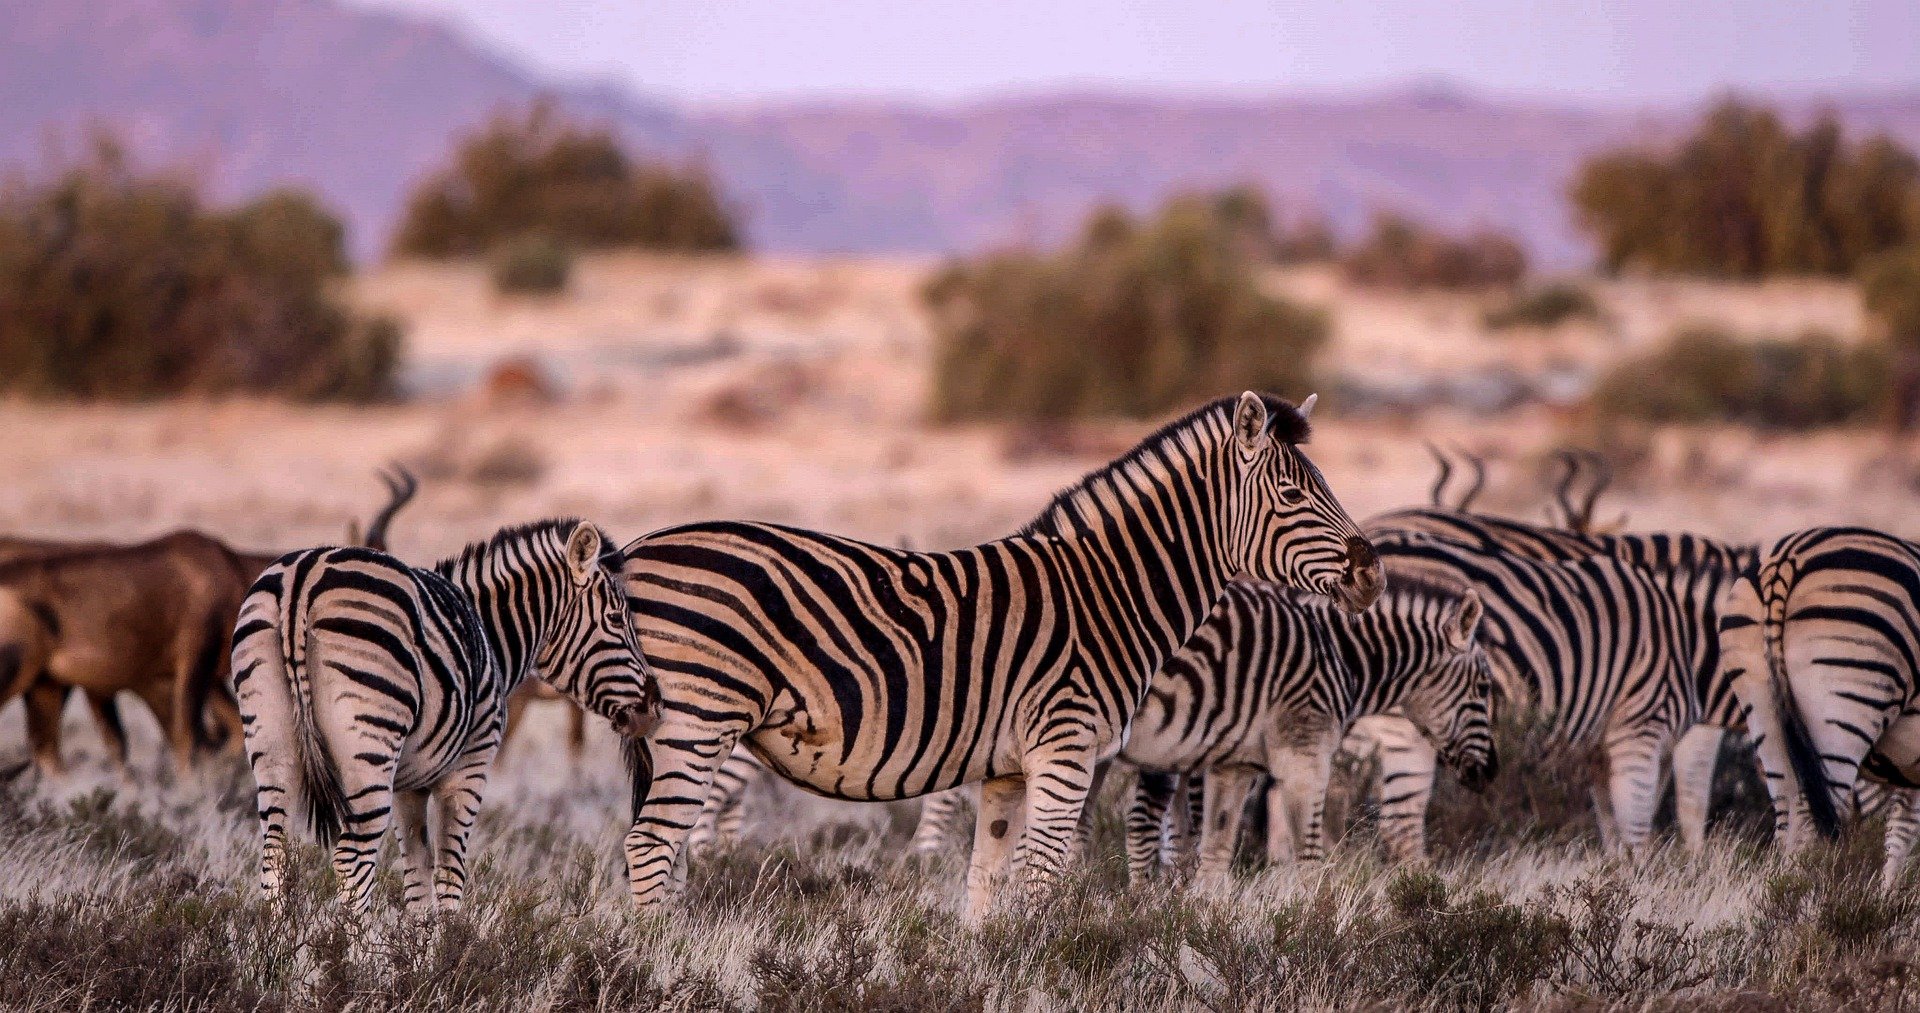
{"points": [[119, 285], [1549, 306], [1745, 196], [531, 265], [1706, 375], [1136, 318], [535, 173], [1402, 253]]}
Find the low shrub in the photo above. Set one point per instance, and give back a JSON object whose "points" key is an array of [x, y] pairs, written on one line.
{"points": [[531, 265], [1135, 319], [1707, 375], [119, 285], [1545, 307], [1402, 253]]}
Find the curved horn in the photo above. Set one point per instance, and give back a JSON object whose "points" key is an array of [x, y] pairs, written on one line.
{"points": [[1306, 407], [401, 488], [1479, 465], [1564, 489], [1603, 477], [1440, 482]]}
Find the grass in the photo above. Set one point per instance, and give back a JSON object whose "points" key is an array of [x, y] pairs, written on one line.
{"points": [[115, 897]]}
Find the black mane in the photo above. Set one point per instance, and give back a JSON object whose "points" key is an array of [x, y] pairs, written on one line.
{"points": [[1284, 422], [562, 526]]}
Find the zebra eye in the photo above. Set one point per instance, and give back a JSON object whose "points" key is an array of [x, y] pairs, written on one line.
{"points": [[1292, 496]]}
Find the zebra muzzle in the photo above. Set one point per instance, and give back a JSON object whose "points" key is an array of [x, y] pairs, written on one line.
{"points": [[1364, 578], [634, 720]]}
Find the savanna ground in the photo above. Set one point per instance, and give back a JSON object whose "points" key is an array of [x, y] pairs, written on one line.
{"points": [[685, 389]]}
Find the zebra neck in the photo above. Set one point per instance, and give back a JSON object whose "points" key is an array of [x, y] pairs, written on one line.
{"points": [[510, 581]]}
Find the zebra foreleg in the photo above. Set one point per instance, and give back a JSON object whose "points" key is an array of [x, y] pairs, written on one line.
{"points": [[725, 813], [457, 802], [1056, 796], [1301, 773], [1226, 800], [939, 820], [997, 827], [684, 761], [1403, 783], [1633, 786], [1147, 823], [1694, 759]]}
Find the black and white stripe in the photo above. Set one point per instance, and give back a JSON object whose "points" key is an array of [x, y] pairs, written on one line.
{"points": [[1614, 640], [368, 689], [1271, 683], [865, 672]]}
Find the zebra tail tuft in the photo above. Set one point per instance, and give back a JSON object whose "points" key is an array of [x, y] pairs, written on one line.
{"points": [[1808, 768]]}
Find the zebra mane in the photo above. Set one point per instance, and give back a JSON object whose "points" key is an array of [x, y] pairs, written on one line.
{"points": [[559, 527], [1284, 422]]}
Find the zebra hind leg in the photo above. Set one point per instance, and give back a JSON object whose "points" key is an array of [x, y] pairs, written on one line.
{"points": [[939, 821], [1147, 813], [416, 850], [457, 801], [724, 815], [1903, 824], [1226, 800], [1694, 759]]}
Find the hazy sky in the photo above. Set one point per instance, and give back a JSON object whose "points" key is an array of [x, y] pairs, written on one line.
{"points": [[751, 50]]}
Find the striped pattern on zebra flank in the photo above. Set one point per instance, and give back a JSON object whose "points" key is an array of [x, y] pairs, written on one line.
{"points": [[1834, 698], [865, 672], [369, 689], [1272, 681], [1612, 639]]}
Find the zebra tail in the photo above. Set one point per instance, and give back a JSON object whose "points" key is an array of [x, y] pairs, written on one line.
{"points": [[326, 796], [1808, 768]]}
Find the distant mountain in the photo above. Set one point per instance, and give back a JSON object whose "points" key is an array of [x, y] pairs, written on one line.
{"points": [[358, 103]]}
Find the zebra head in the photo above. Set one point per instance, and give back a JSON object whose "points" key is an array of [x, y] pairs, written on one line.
{"points": [[1449, 692], [591, 652], [1285, 527]]}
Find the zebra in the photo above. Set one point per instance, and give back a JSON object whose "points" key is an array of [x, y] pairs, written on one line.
{"points": [[1830, 629], [1270, 684], [1613, 639], [366, 686], [864, 672]]}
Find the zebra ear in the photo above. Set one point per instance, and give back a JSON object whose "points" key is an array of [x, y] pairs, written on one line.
{"points": [[1250, 421], [1464, 620], [583, 551]]}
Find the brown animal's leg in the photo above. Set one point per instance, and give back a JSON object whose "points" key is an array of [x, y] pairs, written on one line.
{"points": [[576, 731], [113, 735], [45, 699], [157, 694], [516, 710], [226, 717]]}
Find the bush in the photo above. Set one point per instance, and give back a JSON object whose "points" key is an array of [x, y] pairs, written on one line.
{"points": [[1545, 307], [1890, 289], [1706, 375], [1402, 253], [1745, 197], [117, 285], [535, 173], [531, 265], [1134, 319]]}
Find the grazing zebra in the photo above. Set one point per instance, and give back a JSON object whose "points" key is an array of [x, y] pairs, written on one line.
{"points": [[1612, 639], [1837, 612], [366, 685], [864, 672], [1271, 683]]}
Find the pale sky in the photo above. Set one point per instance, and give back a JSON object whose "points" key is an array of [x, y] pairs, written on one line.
{"points": [[738, 51]]}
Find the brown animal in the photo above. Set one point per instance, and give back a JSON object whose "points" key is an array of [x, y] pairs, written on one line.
{"points": [[535, 691], [1580, 518], [153, 619]]}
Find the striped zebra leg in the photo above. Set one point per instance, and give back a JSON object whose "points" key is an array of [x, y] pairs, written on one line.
{"points": [[997, 828], [1226, 800], [724, 815], [939, 821], [267, 726], [416, 849], [1300, 773], [1903, 824], [457, 803], [356, 854], [1694, 759], [1634, 765], [1057, 791], [1147, 823], [1403, 782], [685, 757]]}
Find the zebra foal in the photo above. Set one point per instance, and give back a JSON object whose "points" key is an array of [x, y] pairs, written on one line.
{"points": [[369, 689]]}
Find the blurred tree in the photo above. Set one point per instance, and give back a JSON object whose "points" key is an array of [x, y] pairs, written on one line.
{"points": [[1890, 288], [1135, 319], [534, 173], [1402, 253], [119, 285], [1745, 197]]}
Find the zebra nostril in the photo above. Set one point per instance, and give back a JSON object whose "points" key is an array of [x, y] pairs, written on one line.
{"points": [[1360, 555]]}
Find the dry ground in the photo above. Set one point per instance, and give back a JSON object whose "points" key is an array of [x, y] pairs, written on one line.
{"points": [[791, 391]]}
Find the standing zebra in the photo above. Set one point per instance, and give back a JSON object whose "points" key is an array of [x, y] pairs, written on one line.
{"points": [[366, 685], [1271, 683], [864, 672], [1830, 629], [1612, 639]]}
